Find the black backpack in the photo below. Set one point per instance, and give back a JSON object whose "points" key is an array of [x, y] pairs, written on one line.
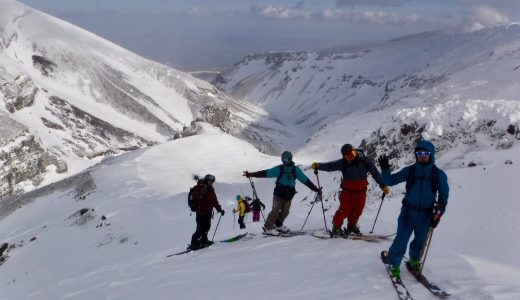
{"points": [[247, 206], [282, 171], [192, 202]]}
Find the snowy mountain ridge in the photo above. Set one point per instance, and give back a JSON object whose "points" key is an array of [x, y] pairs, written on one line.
{"points": [[71, 98], [443, 86]]}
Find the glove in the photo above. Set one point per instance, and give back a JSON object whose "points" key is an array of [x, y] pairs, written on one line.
{"points": [[234, 210], [194, 208], [247, 174], [383, 162], [436, 218], [222, 212], [319, 191], [315, 165], [386, 190]]}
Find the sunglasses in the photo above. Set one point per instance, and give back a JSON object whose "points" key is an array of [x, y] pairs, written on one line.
{"points": [[422, 153]]}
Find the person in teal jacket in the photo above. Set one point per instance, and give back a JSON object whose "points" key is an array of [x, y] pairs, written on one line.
{"points": [[421, 208], [286, 175]]}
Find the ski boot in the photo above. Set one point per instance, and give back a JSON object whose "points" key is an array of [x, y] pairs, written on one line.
{"points": [[353, 229], [414, 266], [337, 232], [396, 272]]}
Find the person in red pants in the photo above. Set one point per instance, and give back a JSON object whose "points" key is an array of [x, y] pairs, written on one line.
{"points": [[354, 166]]}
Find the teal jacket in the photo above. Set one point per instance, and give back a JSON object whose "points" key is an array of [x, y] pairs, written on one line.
{"points": [[286, 182]]}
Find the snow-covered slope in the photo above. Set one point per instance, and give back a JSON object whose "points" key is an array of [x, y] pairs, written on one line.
{"points": [[71, 98], [55, 252]]}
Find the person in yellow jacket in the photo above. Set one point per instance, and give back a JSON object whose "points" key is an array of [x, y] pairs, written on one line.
{"points": [[242, 210]]}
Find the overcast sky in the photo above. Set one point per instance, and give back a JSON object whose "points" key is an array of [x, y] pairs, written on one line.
{"points": [[189, 34]]}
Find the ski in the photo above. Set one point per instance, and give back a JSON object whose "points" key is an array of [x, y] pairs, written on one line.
{"points": [[188, 250], [235, 238], [434, 289], [366, 237], [398, 284], [285, 234]]}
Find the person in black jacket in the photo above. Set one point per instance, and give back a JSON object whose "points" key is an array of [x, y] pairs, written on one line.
{"points": [[205, 200], [256, 207], [354, 167]]}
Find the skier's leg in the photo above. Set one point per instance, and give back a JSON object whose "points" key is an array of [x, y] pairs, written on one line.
{"points": [[345, 206], [421, 228], [198, 232], [404, 231], [284, 212], [273, 215], [358, 204], [206, 225]]}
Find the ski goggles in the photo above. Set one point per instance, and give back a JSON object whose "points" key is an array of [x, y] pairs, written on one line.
{"points": [[422, 153]]}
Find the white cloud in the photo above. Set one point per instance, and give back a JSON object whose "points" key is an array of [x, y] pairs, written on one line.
{"points": [[341, 3], [484, 16], [280, 12], [371, 17]]}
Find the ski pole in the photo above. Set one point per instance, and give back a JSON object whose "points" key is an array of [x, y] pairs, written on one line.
{"points": [[233, 221], [382, 198], [313, 202], [427, 247], [255, 195], [321, 199], [216, 227]]}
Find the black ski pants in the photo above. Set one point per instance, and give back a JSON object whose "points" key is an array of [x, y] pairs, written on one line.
{"points": [[203, 226]]}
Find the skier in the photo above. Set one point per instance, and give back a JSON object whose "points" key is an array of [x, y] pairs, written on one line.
{"points": [[420, 210], [354, 166], [256, 206], [241, 209], [286, 175], [206, 199]]}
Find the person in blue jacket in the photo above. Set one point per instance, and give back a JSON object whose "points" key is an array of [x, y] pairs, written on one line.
{"points": [[421, 208], [286, 175]]}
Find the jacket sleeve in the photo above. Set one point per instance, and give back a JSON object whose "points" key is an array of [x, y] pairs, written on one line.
{"points": [[305, 180], [269, 173], [330, 166], [215, 201], [444, 191], [371, 168], [393, 179]]}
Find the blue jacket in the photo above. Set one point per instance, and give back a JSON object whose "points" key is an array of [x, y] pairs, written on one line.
{"points": [[420, 194]]}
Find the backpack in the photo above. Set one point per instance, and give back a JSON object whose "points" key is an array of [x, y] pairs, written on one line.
{"points": [[247, 206], [192, 202], [434, 179], [293, 171]]}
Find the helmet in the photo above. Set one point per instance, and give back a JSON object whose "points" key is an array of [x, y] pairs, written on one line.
{"points": [[345, 148], [209, 178], [238, 197], [286, 157]]}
